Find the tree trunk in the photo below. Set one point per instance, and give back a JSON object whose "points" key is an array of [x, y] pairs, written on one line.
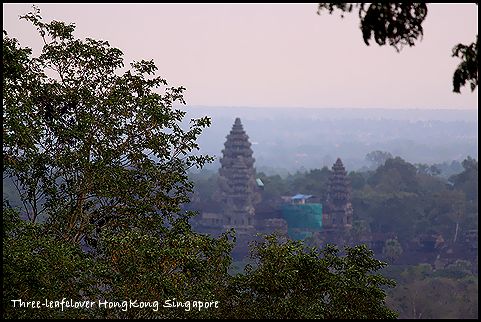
{"points": [[456, 233]]}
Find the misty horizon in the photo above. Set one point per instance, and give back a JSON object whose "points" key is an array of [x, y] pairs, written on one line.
{"points": [[314, 138]]}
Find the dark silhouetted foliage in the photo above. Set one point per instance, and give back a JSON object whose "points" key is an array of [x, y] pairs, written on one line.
{"points": [[400, 24]]}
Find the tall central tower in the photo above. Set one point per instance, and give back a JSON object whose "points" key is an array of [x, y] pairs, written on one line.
{"points": [[237, 182]]}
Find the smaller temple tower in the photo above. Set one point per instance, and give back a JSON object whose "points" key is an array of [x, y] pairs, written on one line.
{"points": [[338, 214]]}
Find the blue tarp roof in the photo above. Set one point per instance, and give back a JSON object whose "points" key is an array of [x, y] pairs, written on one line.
{"points": [[259, 182], [300, 197]]}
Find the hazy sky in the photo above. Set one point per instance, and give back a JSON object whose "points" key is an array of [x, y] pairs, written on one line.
{"points": [[273, 55]]}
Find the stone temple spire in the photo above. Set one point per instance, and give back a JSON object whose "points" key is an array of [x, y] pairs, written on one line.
{"points": [[237, 183], [339, 208]]}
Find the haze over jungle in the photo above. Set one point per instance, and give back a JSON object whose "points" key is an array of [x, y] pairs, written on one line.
{"points": [[290, 139]]}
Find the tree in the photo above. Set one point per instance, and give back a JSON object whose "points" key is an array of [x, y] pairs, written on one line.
{"points": [[100, 163], [313, 182], [357, 179], [292, 281], [87, 147], [360, 231], [400, 24], [36, 266], [467, 70], [445, 214], [179, 264], [395, 175], [454, 289], [426, 169], [466, 181], [378, 158], [392, 250]]}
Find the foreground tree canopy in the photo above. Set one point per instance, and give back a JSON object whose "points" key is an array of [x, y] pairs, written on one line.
{"points": [[87, 147], [100, 160], [400, 24]]}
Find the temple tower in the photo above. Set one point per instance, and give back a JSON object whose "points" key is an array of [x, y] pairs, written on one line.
{"points": [[339, 210], [238, 189]]}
